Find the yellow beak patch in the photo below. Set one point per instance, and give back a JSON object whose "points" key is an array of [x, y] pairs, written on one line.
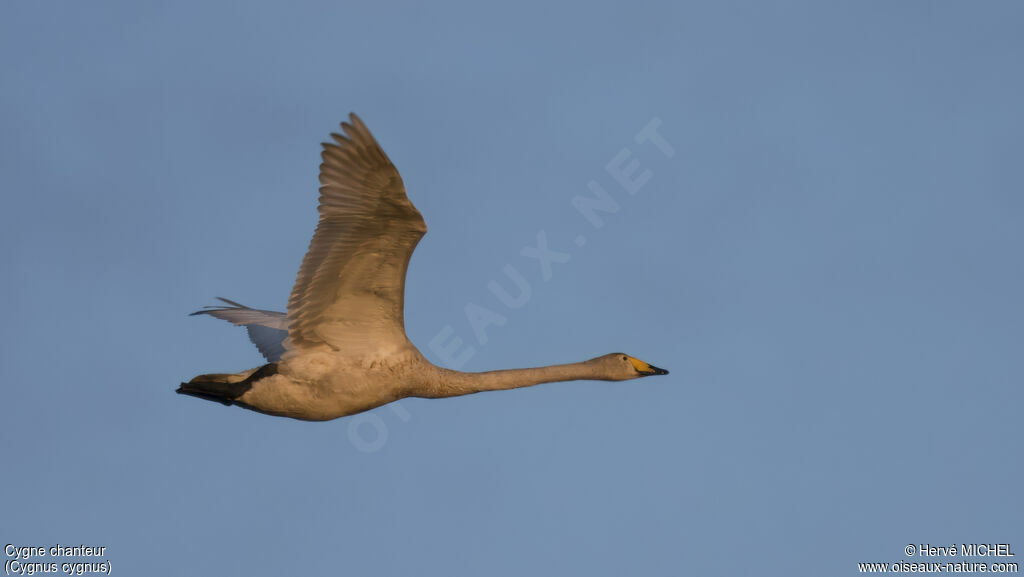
{"points": [[645, 368], [640, 366]]}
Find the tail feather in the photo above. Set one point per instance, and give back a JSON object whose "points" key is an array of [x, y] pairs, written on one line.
{"points": [[225, 388]]}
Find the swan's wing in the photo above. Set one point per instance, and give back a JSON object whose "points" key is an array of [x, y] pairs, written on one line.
{"points": [[269, 341], [240, 314], [349, 294], [267, 329]]}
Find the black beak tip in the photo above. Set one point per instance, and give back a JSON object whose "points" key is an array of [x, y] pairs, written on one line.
{"points": [[658, 371]]}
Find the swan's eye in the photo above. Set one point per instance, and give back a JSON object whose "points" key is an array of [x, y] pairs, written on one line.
{"points": [[624, 357]]}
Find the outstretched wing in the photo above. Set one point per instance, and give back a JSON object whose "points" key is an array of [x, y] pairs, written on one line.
{"points": [[267, 329], [239, 314], [349, 294], [269, 341]]}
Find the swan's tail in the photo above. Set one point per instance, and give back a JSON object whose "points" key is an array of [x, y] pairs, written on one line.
{"points": [[225, 388]]}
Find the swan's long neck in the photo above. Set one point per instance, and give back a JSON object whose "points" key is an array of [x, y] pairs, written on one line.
{"points": [[448, 383]]}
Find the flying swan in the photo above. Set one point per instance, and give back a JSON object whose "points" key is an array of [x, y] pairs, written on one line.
{"points": [[341, 348]]}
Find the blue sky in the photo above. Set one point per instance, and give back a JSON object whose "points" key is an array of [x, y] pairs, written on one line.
{"points": [[828, 263]]}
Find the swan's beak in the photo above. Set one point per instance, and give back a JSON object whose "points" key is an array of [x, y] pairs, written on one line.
{"points": [[646, 369], [653, 370]]}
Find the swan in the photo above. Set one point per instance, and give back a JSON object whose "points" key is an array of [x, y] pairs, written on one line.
{"points": [[341, 348]]}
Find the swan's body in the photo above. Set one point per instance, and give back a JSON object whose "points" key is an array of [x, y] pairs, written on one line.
{"points": [[341, 349]]}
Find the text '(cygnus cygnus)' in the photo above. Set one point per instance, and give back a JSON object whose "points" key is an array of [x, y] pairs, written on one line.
{"points": [[341, 349]]}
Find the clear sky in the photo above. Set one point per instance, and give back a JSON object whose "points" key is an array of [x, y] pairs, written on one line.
{"points": [[824, 249]]}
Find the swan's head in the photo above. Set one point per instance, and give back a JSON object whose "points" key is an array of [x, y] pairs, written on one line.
{"points": [[621, 367]]}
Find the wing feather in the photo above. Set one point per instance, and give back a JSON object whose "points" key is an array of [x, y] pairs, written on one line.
{"points": [[267, 329], [239, 314], [349, 294]]}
